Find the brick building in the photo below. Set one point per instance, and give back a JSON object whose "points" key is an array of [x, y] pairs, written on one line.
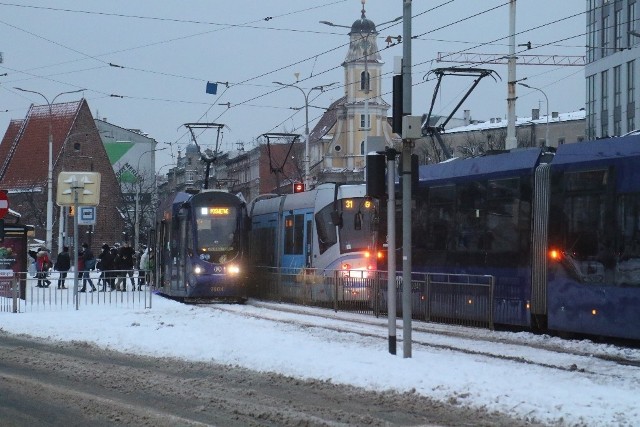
{"points": [[76, 147]]}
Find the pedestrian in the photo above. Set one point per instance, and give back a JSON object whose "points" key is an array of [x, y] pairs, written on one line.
{"points": [[62, 266], [116, 266], [126, 256], [143, 273], [105, 265], [43, 264], [89, 262]]}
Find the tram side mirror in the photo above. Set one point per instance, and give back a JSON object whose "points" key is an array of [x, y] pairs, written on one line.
{"points": [[357, 221], [336, 218]]}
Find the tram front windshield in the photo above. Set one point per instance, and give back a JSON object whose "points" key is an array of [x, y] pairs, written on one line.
{"points": [[216, 229], [357, 232]]}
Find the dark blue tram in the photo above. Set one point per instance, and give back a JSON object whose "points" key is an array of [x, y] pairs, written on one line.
{"points": [[201, 244], [560, 232]]}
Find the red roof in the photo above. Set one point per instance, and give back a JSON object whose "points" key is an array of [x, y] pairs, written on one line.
{"points": [[24, 149]]}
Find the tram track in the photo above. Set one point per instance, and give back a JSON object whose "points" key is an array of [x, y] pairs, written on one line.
{"points": [[548, 353]]}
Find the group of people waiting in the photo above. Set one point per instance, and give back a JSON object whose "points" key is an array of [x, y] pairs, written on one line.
{"points": [[115, 264]]}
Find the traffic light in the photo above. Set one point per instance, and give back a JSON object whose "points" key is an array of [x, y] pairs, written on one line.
{"points": [[298, 187], [72, 211]]}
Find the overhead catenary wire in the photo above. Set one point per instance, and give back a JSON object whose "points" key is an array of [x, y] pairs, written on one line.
{"points": [[248, 102]]}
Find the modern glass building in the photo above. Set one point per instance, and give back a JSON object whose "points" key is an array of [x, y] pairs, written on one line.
{"points": [[613, 47]]}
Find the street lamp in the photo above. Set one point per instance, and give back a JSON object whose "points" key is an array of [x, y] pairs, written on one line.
{"points": [[546, 138], [136, 229], [49, 237], [307, 183]]}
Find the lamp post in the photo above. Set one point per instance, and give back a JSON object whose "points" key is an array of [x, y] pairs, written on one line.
{"points": [[136, 229], [306, 127], [546, 138], [49, 228]]}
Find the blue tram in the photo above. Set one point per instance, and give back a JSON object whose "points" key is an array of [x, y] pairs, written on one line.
{"points": [[330, 229], [560, 232], [201, 246]]}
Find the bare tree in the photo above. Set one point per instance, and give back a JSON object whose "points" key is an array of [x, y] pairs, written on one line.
{"points": [[142, 189]]}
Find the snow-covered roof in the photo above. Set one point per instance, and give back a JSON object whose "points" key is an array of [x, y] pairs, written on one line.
{"points": [[502, 123]]}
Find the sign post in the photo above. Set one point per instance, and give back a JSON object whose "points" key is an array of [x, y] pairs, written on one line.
{"points": [[78, 189]]}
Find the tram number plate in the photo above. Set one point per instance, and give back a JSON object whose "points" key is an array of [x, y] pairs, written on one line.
{"points": [[217, 288]]}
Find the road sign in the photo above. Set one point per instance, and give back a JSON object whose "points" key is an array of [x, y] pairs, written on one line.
{"points": [[4, 204], [87, 215], [86, 184]]}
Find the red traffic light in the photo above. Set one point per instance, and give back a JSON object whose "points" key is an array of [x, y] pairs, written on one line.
{"points": [[298, 187]]}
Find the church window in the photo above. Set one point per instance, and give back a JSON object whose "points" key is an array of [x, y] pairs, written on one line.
{"points": [[365, 121], [364, 80]]}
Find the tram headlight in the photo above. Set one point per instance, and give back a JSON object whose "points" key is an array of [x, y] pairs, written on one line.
{"points": [[233, 269], [197, 269]]}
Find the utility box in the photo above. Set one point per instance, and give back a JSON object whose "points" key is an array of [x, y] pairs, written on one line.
{"points": [[411, 127]]}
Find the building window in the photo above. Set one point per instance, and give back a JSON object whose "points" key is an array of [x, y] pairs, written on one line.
{"points": [[365, 80], [591, 107], [190, 176], [604, 36], [591, 33], [617, 40], [631, 24], [617, 101], [631, 95], [362, 148], [604, 96], [365, 121]]}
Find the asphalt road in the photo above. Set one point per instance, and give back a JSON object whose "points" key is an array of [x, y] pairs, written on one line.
{"points": [[75, 384]]}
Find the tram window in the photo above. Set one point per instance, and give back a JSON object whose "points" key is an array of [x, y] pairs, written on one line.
{"points": [[471, 217], [326, 229], [503, 203], [587, 226], [438, 223], [293, 234], [595, 180], [356, 238], [584, 224], [628, 267]]}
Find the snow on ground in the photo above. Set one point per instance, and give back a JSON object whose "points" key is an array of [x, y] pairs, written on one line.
{"points": [[304, 347]]}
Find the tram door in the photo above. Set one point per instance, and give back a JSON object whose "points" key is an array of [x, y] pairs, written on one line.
{"points": [[297, 240]]}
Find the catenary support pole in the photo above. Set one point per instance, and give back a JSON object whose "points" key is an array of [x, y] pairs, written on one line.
{"points": [[407, 146], [511, 140]]}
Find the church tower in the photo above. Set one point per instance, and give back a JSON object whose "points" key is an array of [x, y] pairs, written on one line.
{"points": [[361, 113]]}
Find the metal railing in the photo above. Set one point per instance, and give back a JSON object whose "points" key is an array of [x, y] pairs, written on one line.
{"points": [[462, 299], [23, 292]]}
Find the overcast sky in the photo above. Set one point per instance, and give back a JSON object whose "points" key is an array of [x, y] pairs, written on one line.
{"points": [[164, 51]]}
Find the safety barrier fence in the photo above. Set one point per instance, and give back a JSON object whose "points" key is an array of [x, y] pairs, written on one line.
{"points": [[462, 299], [23, 292], [445, 298]]}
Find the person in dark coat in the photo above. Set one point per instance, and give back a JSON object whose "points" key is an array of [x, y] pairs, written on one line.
{"points": [[126, 257], [62, 266], [105, 265], [89, 262]]}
